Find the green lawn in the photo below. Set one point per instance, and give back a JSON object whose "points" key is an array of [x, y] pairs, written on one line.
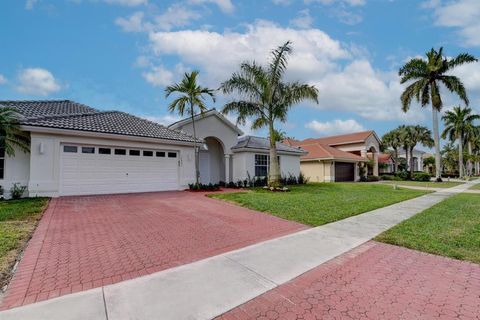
{"points": [[450, 228], [18, 219], [445, 184], [315, 204]]}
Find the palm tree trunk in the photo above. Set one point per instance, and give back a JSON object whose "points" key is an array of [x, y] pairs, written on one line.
{"points": [[395, 166], [436, 139], [274, 170], [195, 149], [411, 161], [460, 156], [469, 161]]}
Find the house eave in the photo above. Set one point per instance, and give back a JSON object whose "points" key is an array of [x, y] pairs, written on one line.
{"points": [[209, 113], [299, 154], [95, 134]]}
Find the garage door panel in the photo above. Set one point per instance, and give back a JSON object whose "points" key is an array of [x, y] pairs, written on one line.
{"points": [[83, 174], [344, 171]]}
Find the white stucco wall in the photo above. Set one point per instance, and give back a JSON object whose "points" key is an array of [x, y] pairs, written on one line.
{"points": [[212, 126], [16, 170], [244, 162], [45, 167]]}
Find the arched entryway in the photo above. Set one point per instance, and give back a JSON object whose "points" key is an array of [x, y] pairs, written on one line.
{"points": [[212, 161]]}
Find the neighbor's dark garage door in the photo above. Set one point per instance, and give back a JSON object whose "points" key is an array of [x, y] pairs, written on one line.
{"points": [[344, 171]]}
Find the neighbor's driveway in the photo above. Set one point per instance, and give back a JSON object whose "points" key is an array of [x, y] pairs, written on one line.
{"points": [[91, 241]]}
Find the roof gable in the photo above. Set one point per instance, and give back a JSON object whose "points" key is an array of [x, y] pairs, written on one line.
{"points": [[356, 137], [252, 142], [209, 113]]}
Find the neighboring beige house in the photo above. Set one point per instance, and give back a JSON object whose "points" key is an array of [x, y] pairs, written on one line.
{"points": [[338, 158]]}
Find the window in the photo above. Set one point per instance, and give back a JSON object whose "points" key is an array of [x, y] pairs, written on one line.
{"points": [[161, 154], [71, 149], [261, 165], [88, 150], [104, 151], [134, 152], [148, 153], [262, 162], [2, 162], [172, 154], [120, 152]]}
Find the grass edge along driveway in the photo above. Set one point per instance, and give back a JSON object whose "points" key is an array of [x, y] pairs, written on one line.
{"points": [[316, 204], [450, 228], [18, 219], [445, 184]]}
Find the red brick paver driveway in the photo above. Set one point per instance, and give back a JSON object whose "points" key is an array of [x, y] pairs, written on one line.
{"points": [[374, 281], [87, 242]]}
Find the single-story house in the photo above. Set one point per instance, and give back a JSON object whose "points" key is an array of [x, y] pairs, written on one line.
{"points": [[79, 150], [386, 163], [227, 156], [338, 158], [418, 156]]}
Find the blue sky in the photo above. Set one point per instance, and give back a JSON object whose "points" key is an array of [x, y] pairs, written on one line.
{"points": [[120, 54]]}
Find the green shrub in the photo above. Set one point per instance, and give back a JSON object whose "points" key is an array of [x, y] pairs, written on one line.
{"points": [[17, 191], [373, 178], [422, 176], [404, 175], [387, 177]]}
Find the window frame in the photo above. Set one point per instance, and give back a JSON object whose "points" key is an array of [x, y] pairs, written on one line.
{"points": [[264, 166], [86, 148], [150, 153], [122, 153], [70, 146], [170, 153], [103, 148], [132, 152]]}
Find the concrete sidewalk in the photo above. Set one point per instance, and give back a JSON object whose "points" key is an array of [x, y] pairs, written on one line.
{"points": [[210, 287]]}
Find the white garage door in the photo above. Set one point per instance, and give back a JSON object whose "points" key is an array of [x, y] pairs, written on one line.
{"points": [[104, 170]]}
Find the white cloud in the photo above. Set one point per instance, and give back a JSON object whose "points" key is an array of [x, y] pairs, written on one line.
{"points": [[130, 3], [159, 76], [224, 5], [176, 15], [303, 20], [464, 15], [37, 81], [337, 126], [345, 79], [134, 23], [165, 120], [3, 80], [30, 4], [219, 54]]}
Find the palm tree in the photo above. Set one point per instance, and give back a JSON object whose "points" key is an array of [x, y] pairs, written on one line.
{"points": [[428, 75], [458, 122], [472, 133], [266, 97], [476, 150], [392, 140], [191, 101], [10, 134], [416, 135]]}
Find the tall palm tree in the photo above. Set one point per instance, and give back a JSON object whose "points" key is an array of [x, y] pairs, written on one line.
{"points": [[10, 134], [457, 123], [392, 140], [428, 75], [476, 150], [472, 133], [418, 134], [190, 100], [266, 97]]}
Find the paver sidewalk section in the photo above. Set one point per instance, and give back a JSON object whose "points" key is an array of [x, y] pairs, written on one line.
{"points": [[373, 281], [210, 287]]}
